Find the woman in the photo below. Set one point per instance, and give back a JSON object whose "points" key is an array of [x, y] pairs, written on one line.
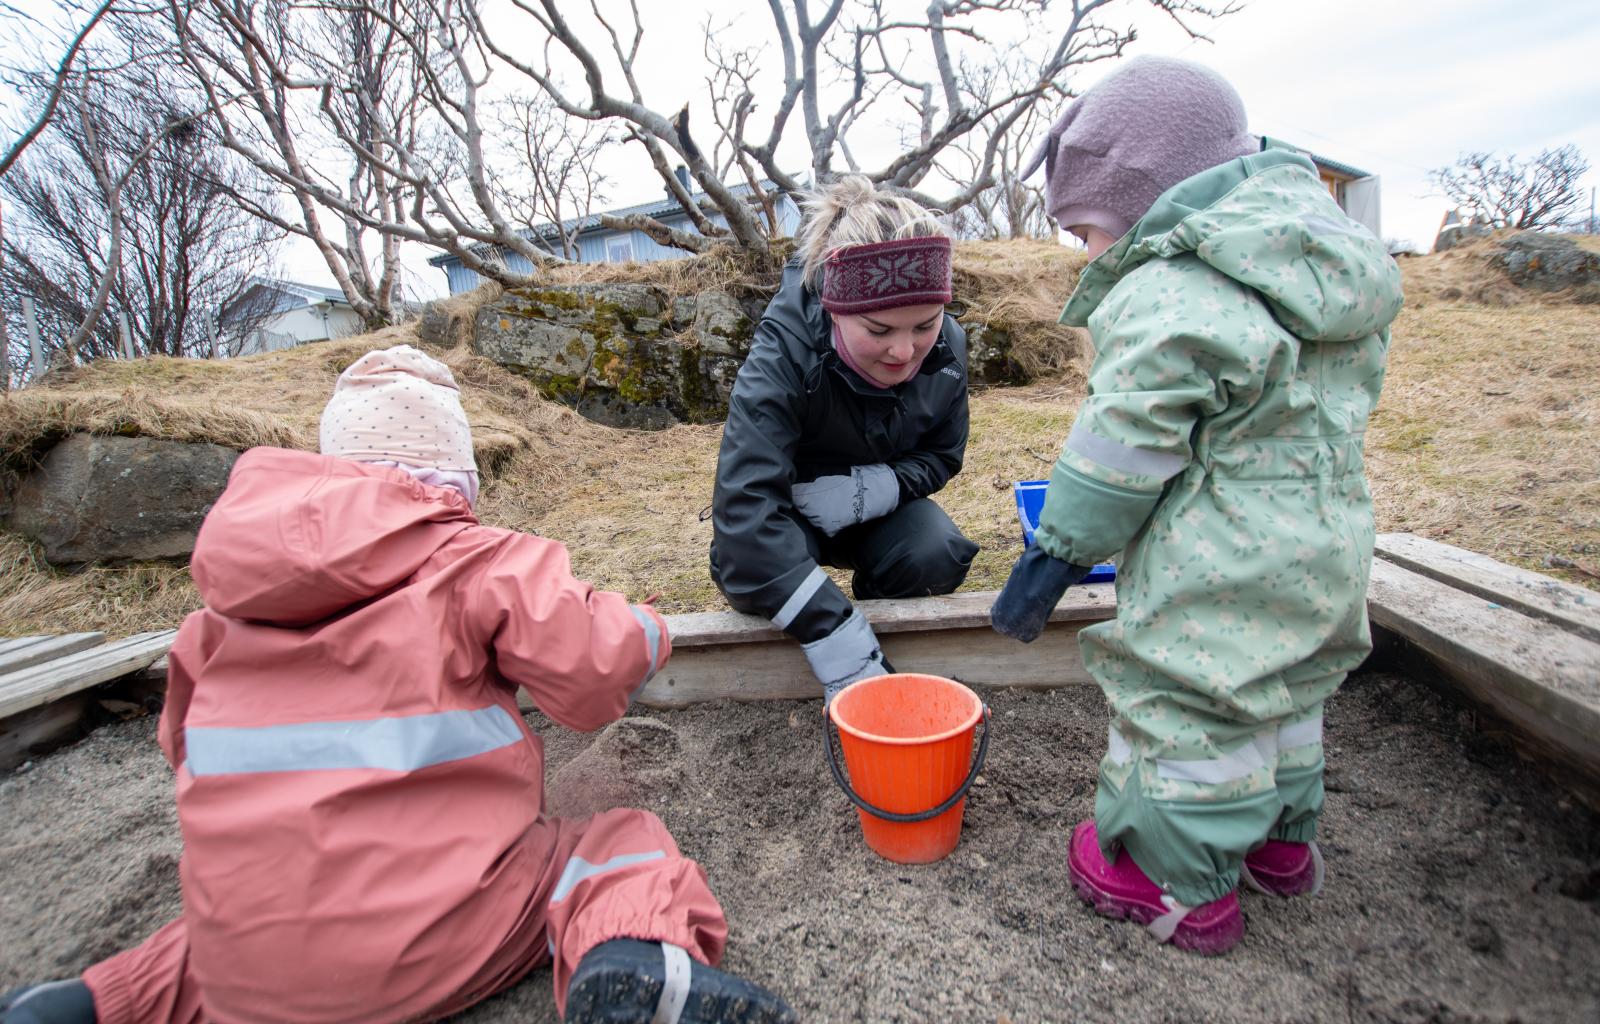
{"points": [[850, 410]]}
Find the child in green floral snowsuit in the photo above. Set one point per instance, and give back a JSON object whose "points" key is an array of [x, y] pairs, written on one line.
{"points": [[1240, 325]]}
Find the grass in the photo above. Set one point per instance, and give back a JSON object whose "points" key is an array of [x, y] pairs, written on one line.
{"points": [[1484, 436], [1483, 439]]}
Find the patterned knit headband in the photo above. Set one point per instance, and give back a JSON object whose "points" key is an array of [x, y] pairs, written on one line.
{"points": [[886, 275]]}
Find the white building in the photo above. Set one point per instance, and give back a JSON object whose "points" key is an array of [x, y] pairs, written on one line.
{"points": [[273, 314]]}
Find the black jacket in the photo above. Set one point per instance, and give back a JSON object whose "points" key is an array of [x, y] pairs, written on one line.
{"points": [[797, 413]]}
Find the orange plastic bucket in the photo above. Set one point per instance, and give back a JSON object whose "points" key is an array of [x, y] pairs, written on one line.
{"points": [[907, 739]]}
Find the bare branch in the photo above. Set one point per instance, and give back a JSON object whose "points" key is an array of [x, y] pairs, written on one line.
{"points": [[53, 94], [658, 231]]}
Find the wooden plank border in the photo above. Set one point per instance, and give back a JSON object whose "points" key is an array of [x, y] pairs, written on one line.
{"points": [[1574, 609], [43, 649], [1543, 681], [52, 680]]}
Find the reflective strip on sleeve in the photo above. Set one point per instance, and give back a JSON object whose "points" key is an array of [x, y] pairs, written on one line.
{"points": [[675, 992], [1117, 747], [579, 870], [1301, 734], [1121, 457], [398, 744], [797, 600], [652, 635]]}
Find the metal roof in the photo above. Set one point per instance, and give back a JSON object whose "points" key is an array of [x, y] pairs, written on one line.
{"points": [[1338, 167], [284, 296]]}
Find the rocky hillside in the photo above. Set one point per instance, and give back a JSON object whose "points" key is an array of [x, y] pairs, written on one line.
{"points": [[1484, 437]]}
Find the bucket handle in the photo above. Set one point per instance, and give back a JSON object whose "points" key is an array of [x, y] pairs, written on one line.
{"points": [[855, 798]]}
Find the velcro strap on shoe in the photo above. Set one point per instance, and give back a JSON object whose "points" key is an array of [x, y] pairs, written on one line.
{"points": [[675, 993], [1248, 877], [1164, 926], [1319, 870]]}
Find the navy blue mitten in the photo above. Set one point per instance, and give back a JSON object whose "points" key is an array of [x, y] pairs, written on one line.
{"points": [[1036, 583]]}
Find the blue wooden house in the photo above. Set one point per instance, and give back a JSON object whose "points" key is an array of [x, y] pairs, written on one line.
{"points": [[597, 244]]}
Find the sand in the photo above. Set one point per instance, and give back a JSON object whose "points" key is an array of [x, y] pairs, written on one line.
{"points": [[1461, 886]]}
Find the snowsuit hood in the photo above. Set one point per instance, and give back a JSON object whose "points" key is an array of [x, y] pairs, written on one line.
{"points": [[296, 537], [1325, 279]]}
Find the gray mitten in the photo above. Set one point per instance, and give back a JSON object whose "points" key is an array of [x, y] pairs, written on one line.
{"points": [[848, 654], [832, 503]]}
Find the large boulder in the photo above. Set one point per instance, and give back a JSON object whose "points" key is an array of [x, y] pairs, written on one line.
{"points": [[119, 499], [1549, 263], [620, 353]]}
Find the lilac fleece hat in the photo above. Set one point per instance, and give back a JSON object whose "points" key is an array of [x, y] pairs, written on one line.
{"points": [[1135, 134]]}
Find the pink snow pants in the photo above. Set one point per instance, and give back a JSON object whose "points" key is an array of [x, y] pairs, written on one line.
{"points": [[616, 875]]}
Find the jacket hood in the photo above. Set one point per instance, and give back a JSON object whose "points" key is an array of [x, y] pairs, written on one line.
{"points": [[297, 537], [1266, 221]]}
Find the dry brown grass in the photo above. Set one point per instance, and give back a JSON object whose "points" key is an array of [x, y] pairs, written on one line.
{"points": [[1019, 287], [1485, 434], [1515, 475]]}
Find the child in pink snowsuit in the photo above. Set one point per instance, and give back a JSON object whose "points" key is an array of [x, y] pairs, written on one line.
{"points": [[360, 799]]}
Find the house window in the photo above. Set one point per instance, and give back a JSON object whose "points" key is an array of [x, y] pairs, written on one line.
{"points": [[619, 250]]}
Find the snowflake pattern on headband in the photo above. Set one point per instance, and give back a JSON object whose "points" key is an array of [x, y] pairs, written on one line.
{"points": [[885, 275]]}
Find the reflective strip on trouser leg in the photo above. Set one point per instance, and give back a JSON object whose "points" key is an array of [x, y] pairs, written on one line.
{"points": [[1256, 753], [579, 870], [800, 598], [1299, 780]]}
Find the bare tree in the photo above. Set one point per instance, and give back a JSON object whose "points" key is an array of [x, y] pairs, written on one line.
{"points": [[840, 61], [1012, 207], [551, 174], [1541, 192], [369, 114], [50, 95], [120, 205]]}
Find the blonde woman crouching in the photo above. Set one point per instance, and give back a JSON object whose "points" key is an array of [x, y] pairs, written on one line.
{"points": [[850, 411]]}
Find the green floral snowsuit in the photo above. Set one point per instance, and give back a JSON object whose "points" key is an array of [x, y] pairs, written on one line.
{"points": [[1240, 334]]}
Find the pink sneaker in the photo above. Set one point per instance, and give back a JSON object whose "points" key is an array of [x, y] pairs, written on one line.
{"points": [[1284, 869], [1121, 890]]}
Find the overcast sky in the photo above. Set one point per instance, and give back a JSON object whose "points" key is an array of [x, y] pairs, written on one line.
{"points": [[1394, 87]]}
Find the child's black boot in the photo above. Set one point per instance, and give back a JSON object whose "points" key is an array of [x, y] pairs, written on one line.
{"points": [[54, 1002], [625, 981]]}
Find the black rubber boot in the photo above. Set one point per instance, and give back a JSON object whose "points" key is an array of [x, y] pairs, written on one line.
{"points": [[54, 1002], [623, 981]]}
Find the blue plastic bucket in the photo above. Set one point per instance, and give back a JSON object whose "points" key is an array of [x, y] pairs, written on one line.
{"points": [[1030, 502]]}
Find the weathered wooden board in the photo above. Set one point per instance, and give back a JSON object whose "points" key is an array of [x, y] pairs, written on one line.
{"points": [[52, 680], [1543, 680], [19, 642], [46, 648], [970, 610], [778, 670], [727, 656], [1574, 609]]}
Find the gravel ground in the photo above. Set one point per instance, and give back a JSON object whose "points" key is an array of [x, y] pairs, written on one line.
{"points": [[1461, 886]]}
